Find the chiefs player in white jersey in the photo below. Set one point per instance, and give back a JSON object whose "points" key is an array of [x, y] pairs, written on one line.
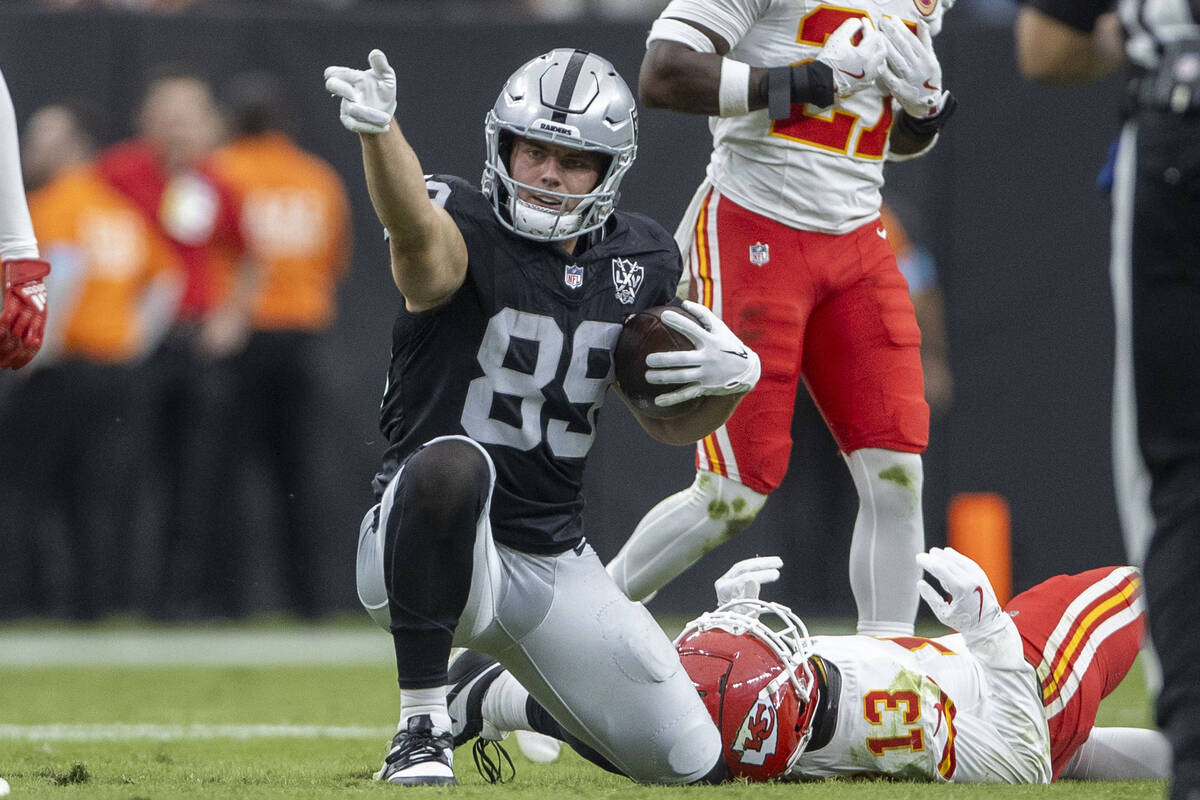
{"points": [[1011, 698], [22, 291], [807, 100]]}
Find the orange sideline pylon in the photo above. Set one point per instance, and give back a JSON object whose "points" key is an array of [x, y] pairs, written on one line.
{"points": [[978, 526]]}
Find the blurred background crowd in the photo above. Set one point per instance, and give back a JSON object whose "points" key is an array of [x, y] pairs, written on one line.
{"points": [[194, 270], [197, 437]]}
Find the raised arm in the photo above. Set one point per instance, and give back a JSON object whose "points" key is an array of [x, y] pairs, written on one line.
{"points": [[428, 253]]}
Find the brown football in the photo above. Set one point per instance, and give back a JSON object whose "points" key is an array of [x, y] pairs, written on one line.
{"points": [[644, 333]]}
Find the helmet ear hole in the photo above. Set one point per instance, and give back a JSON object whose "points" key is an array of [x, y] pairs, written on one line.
{"points": [[505, 146]]}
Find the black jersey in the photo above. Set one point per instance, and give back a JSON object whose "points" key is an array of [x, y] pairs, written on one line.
{"points": [[520, 359]]}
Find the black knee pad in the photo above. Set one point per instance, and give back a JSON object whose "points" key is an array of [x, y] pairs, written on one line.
{"points": [[444, 486]]}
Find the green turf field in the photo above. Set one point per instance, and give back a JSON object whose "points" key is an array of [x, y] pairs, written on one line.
{"points": [[283, 711]]}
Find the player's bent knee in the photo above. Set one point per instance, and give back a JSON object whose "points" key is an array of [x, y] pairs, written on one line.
{"points": [[889, 481], [691, 755], [728, 501], [445, 485], [454, 469]]}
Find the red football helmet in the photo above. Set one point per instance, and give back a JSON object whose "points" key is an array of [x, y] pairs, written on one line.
{"points": [[756, 681]]}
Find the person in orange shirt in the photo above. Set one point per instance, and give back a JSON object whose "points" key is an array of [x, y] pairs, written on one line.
{"points": [[116, 284], [166, 174], [295, 221]]}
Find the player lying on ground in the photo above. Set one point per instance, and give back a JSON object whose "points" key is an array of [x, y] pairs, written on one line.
{"points": [[1011, 698]]}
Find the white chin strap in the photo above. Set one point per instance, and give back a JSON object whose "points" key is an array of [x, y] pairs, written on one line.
{"points": [[541, 223]]}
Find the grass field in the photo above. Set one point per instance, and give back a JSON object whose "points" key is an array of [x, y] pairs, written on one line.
{"points": [[275, 710]]}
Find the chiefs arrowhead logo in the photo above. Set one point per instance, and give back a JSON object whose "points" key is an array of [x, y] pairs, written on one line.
{"points": [[758, 736]]}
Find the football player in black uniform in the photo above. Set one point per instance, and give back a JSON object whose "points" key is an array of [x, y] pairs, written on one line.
{"points": [[501, 356]]}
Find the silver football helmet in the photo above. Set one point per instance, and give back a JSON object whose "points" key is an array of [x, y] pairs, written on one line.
{"points": [[566, 97]]}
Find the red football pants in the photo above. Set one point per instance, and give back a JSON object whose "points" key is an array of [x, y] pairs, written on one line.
{"points": [[1082, 633], [833, 309]]}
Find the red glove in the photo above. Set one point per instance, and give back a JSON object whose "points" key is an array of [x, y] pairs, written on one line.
{"points": [[22, 310]]}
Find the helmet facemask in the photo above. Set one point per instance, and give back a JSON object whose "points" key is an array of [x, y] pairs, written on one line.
{"points": [[569, 98]]}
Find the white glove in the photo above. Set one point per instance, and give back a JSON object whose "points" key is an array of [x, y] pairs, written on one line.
{"points": [[368, 95], [719, 365], [743, 579], [912, 73], [972, 608], [855, 66]]}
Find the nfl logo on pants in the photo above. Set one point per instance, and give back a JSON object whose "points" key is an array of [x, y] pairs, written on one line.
{"points": [[760, 254]]}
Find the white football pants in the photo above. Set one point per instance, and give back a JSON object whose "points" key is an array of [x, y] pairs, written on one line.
{"points": [[594, 659]]}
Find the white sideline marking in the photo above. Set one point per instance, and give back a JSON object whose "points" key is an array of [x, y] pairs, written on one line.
{"points": [[163, 733], [195, 647]]}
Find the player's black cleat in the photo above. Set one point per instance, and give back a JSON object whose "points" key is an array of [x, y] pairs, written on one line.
{"points": [[420, 756], [470, 675]]}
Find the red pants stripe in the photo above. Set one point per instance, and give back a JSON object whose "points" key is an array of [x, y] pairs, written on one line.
{"points": [[1081, 633]]}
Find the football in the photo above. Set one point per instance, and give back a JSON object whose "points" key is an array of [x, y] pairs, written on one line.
{"points": [[644, 333]]}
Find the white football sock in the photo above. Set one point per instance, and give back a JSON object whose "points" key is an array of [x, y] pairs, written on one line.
{"points": [[1121, 754], [888, 533], [676, 532], [504, 704], [414, 702]]}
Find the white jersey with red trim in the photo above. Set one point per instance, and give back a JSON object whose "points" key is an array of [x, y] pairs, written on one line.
{"points": [[822, 168], [926, 709]]}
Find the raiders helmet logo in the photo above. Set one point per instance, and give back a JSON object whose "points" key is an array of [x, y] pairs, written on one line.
{"points": [[758, 736]]}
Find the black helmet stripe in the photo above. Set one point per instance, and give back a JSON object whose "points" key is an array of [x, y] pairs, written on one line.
{"points": [[567, 88]]}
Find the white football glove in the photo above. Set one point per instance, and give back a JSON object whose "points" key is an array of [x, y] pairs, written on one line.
{"points": [[719, 365], [368, 95], [912, 73], [855, 66], [746, 577], [971, 608]]}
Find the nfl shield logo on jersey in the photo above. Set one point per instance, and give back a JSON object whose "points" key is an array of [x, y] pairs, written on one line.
{"points": [[926, 7], [759, 734], [760, 254], [627, 279], [573, 276]]}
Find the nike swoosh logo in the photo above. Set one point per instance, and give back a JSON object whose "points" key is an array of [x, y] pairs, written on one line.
{"points": [[979, 591], [931, 88], [738, 353], [881, 232], [859, 76]]}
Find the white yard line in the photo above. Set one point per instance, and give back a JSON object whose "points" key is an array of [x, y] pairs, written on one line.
{"points": [[203, 647], [162, 733]]}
